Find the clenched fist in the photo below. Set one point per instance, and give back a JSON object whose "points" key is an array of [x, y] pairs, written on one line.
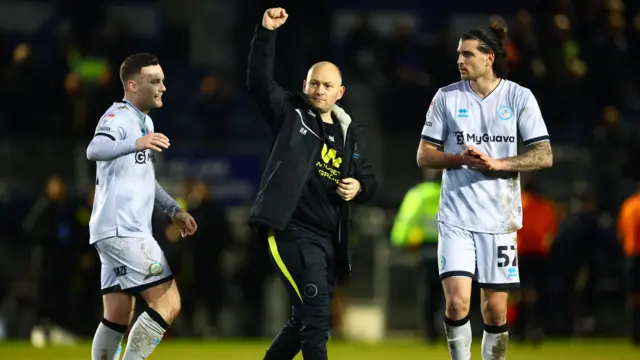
{"points": [[153, 141], [274, 18]]}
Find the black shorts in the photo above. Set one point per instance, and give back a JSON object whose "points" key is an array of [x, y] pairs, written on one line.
{"points": [[633, 274], [533, 271]]}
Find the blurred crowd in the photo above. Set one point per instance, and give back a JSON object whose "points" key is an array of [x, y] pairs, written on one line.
{"points": [[578, 57]]}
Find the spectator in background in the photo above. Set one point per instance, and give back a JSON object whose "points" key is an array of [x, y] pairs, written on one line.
{"points": [[629, 232], [206, 249], [363, 50], [407, 80], [612, 141], [49, 228], [539, 227], [86, 268]]}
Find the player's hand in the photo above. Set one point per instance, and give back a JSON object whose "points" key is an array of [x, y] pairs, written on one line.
{"points": [[489, 163], [185, 222], [348, 188], [274, 18], [153, 141], [472, 161]]}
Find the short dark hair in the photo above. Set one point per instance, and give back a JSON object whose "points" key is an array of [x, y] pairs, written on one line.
{"points": [[491, 41], [132, 65]]}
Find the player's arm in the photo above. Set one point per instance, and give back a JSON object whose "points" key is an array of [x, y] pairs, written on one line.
{"points": [[538, 154], [183, 220], [167, 203], [111, 141], [271, 97], [429, 156], [434, 134]]}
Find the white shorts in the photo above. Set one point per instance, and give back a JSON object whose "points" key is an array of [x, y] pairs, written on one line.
{"points": [[490, 259], [131, 264]]}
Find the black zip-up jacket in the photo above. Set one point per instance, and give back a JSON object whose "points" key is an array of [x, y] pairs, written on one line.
{"points": [[296, 139]]}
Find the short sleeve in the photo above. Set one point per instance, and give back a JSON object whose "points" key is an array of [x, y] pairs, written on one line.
{"points": [[530, 122], [435, 126], [113, 126]]}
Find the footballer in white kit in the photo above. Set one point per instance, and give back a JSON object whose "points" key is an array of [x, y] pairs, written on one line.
{"points": [[472, 131], [480, 212], [126, 192]]}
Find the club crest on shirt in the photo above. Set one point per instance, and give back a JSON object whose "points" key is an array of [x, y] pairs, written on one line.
{"points": [[505, 113]]}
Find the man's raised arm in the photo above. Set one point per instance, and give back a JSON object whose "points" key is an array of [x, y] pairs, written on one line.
{"points": [[271, 97]]}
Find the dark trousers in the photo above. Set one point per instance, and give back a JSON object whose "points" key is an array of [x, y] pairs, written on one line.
{"points": [[532, 307], [305, 261]]}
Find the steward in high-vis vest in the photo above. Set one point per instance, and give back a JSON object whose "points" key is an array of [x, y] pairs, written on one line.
{"points": [[415, 223]]}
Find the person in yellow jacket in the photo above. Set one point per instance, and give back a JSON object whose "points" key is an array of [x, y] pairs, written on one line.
{"points": [[415, 228]]}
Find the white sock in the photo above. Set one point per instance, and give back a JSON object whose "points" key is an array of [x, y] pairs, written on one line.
{"points": [[458, 338], [495, 340], [107, 341], [145, 335]]}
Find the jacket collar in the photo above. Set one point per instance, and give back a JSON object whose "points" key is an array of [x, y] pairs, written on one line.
{"points": [[343, 118], [338, 113]]}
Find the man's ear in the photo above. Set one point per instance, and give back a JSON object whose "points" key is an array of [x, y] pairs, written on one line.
{"points": [[491, 57], [131, 85], [341, 92]]}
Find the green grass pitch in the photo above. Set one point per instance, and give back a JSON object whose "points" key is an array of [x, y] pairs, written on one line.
{"points": [[402, 350]]}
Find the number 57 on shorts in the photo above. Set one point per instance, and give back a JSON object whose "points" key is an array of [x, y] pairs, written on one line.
{"points": [[490, 259]]}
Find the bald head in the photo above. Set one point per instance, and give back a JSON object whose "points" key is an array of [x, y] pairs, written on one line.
{"points": [[326, 68], [323, 85]]}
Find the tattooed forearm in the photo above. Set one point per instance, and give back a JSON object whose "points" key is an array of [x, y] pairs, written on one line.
{"points": [[537, 156]]}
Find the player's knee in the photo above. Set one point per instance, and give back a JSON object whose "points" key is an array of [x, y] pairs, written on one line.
{"points": [[165, 300], [494, 311], [457, 306], [171, 305], [176, 305]]}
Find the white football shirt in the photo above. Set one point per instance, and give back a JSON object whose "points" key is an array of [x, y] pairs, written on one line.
{"points": [[489, 203], [125, 186]]}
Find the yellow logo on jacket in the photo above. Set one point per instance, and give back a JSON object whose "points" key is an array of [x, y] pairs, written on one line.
{"points": [[329, 166]]}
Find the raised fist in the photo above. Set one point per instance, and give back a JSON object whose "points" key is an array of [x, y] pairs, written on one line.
{"points": [[152, 141], [274, 18]]}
